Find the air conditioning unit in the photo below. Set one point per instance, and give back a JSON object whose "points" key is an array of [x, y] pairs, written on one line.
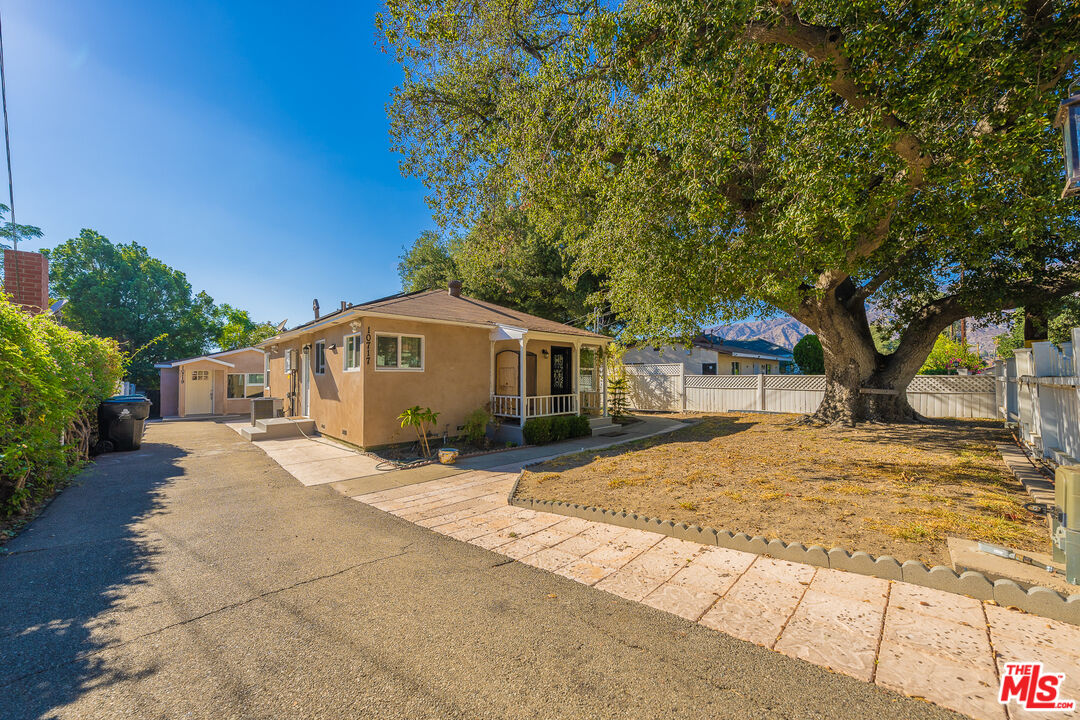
{"points": [[290, 360]]}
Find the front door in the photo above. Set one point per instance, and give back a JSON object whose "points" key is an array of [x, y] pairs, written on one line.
{"points": [[305, 382], [198, 393], [561, 369]]}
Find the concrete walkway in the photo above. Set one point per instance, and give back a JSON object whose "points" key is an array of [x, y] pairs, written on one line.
{"points": [[921, 642], [917, 641]]}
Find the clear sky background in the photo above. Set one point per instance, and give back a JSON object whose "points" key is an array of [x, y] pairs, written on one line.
{"points": [[244, 143]]}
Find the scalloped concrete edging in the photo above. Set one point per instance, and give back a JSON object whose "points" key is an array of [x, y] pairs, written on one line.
{"points": [[1006, 593]]}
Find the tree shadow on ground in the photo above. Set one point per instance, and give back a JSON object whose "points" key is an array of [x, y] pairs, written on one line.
{"points": [[66, 573]]}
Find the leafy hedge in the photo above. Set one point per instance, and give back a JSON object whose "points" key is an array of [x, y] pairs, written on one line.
{"points": [[53, 380], [541, 430]]}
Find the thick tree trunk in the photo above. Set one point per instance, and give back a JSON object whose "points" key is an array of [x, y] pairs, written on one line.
{"points": [[862, 384]]}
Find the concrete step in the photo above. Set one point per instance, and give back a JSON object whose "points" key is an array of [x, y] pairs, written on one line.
{"points": [[278, 428], [601, 425]]}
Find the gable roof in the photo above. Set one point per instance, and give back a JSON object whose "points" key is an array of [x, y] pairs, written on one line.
{"points": [[212, 357], [743, 347], [439, 305]]}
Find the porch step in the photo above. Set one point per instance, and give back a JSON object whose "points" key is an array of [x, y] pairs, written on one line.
{"points": [[601, 425], [277, 428]]}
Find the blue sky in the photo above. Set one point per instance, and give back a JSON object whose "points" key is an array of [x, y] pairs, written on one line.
{"points": [[243, 143]]}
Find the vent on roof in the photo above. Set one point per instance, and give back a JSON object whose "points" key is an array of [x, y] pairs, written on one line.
{"points": [[455, 288]]}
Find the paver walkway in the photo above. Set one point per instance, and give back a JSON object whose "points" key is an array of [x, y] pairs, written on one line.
{"points": [[946, 648]]}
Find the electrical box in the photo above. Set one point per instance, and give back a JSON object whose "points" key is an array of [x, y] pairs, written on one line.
{"points": [[290, 360]]}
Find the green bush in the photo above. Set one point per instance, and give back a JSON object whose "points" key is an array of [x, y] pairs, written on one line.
{"points": [[541, 430], [537, 431], [580, 426], [475, 428], [53, 380], [560, 428]]}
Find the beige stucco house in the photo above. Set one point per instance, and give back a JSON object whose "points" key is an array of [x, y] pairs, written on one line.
{"points": [[221, 383], [711, 355], [353, 371]]}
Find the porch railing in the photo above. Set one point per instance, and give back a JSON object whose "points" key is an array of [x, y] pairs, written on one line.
{"points": [[535, 405], [591, 401], [541, 405], [505, 405]]}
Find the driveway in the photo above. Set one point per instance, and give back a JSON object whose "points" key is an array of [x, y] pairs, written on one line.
{"points": [[196, 578]]}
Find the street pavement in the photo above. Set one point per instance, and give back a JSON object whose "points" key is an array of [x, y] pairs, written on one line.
{"points": [[195, 578]]}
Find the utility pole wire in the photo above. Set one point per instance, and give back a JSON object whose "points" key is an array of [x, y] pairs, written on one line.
{"points": [[7, 145]]}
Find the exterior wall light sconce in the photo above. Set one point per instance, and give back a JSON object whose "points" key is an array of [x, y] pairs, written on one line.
{"points": [[1068, 119], [544, 353]]}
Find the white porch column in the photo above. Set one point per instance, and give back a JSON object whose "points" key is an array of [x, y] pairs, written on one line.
{"points": [[523, 363], [491, 372], [576, 365], [603, 380]]}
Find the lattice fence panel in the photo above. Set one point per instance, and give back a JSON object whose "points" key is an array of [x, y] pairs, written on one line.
{"points": [[657, 369], [721, 381], [952, 384], [795, 382]]}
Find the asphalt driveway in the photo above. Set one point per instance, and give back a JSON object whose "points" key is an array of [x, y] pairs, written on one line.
{"points": [[197, 579]]}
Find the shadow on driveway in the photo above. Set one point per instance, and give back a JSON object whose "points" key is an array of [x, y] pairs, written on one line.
{"points": [[63, 575]]}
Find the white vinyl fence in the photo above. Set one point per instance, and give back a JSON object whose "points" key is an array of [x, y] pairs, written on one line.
{"points": [[667, 387], [1038, 389]]}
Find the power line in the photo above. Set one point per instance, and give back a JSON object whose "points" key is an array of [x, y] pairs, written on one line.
{"points": [[7, 145]]}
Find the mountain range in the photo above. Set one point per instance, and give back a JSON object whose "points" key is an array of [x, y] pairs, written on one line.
{"points": [[786, 331], [782, 331]]}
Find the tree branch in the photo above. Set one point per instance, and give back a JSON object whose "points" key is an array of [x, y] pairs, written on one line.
{"points": [[825, 45]]}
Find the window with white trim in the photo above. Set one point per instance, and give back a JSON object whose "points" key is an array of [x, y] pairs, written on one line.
{"points": [[320, 357], [353, 359], [734, 368], [399, 352]]}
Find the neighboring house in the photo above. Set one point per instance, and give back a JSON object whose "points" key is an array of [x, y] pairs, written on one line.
{"points": [[220, 383], [353, 371], [712, 355]]}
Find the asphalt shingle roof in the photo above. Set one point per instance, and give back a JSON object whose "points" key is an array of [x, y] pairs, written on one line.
{"points": [[440, 305]]}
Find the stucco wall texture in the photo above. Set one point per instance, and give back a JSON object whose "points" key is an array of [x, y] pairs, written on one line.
{"points": [[361, 405]]}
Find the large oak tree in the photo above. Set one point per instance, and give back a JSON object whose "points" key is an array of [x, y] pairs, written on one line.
{"points": [[727, 158]]}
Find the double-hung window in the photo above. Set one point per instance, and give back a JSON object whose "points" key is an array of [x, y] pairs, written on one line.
{"points": [[320, 357], [399, 352], [353, 352]]}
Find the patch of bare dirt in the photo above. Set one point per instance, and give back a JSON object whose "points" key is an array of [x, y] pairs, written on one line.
{"points": [[886, 489]]}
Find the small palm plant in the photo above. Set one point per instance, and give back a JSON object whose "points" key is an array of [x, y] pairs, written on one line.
{"points": [[420, 419]]}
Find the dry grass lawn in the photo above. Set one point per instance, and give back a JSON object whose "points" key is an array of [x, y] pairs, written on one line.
{"points": [[888, 490]]}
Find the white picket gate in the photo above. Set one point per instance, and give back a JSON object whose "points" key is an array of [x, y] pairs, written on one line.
{"points": [[1039, 390]]}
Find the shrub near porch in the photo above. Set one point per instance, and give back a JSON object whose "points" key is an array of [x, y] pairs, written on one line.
{"points": [[888, 490]]}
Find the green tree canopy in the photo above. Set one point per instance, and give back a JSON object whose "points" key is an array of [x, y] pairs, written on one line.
{"points": [[504, 260], [809, 356], [236, 329], [947, 355], [9, 232], [121, 292], [720, 160]]}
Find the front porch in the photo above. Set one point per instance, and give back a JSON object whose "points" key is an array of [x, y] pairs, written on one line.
{"points": [[561, 375]]}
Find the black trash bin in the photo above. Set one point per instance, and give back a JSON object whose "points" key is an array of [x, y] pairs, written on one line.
{"points": [[120, 422]]}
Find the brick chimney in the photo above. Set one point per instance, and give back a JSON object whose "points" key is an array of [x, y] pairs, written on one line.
{"points": [[26, 280], [455, 288]]}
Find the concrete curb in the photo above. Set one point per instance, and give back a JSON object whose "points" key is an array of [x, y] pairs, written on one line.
{"points": [[1038, 600]]}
